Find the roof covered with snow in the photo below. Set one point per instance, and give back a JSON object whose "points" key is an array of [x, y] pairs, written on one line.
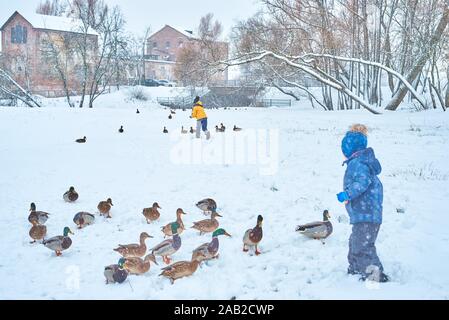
{"points": [[67, 24]]}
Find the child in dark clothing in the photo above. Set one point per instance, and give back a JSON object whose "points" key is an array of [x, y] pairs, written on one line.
{"points": [[363, 197]]}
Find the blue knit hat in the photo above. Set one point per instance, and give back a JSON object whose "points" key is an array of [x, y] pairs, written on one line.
{"points": [[353, 142]]}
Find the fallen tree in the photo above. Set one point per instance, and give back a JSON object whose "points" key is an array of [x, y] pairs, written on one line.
{"points": [[10, 88]]}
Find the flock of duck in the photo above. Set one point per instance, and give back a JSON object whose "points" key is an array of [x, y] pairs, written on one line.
{"points": [[220, 128], [134, 257]]}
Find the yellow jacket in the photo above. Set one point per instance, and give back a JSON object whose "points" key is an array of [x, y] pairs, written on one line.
{"points": [[198, 111]]}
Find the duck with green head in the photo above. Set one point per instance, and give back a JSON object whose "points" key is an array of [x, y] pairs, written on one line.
{"points": [[59, 243], [168, 247], [37, 216], [116, 272], [317, 230], [210, 250]]}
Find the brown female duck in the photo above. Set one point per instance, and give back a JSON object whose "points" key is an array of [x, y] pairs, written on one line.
{"points": [[37, 232], [134, 249], [207, 225], [104, 207], [138, 266], [182, 268], [152, 214]]}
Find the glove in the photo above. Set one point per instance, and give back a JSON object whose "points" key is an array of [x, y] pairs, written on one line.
{"points": [[343, 196]]}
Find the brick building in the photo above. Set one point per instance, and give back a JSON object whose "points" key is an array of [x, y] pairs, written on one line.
{"points": [[28, 46], [163, 48]]}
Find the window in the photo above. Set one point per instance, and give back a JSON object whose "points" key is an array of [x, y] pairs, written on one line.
{"points": [[180, 44], [19, 34], [154, 44], [167, 44]]}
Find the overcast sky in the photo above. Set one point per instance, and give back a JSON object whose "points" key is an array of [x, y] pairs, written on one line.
{"points": [[157, 13]]}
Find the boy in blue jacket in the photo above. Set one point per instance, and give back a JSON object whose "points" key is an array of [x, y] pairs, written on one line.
{"points": [[363, 197]]}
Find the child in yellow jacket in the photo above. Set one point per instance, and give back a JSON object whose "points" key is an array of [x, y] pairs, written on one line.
{"points": [[201, 118]]}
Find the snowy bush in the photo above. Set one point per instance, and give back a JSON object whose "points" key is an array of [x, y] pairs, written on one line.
{"points": [[137, 93]]}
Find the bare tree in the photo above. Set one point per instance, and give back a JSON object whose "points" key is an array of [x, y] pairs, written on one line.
{"points": [[52, 8]]}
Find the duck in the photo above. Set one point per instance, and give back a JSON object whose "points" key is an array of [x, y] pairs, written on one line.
{"points": [[207, 205], [218, 129], [167, 229], [207, 225], [71, 195], [209, 250], [253, 236], [82, 140], [39, 216], [82, 219], [138, 266], [237, 128], [183, 131], [134, 249], [170, 116], [104, 207], [121, 129], [222, 127], [137, 111], [37, 232], [172, 112], [168, 247], [319, 229], [165, 130], [192, 130], [181, 269], [59, 243], [152, 214], [115, 273]]}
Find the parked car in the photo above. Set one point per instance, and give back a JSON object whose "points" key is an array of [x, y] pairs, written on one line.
{"points": [[167, 83], [152, 83]]}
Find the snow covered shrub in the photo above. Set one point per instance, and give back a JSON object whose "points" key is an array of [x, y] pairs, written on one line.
{"points": [[137, 93], [427, 172]]}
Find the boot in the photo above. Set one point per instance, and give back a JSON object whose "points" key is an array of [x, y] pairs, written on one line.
{"points": [[207, 135]]}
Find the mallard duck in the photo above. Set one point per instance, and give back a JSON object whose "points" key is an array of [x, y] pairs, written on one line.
{"points": [[218, 129], [115, 272], [59, 243], [39, 216], [82, 140], [37, 232], [152, 214], [182, 268], [183, 131], [207, 206], [168, 247], [137, 266], [237, 128], [165, 130], [172, 112], [170, 116], [83, 218], [192, 130], [209, 250], [207, 225], [167, 229], [222, 127], [104, 207], [71, 195], [134, 249], [319, 229], [121, 129], [253, 236], [137, 111]]}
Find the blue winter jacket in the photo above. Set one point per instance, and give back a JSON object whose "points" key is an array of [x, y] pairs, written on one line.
{"points": [[364, 188]]}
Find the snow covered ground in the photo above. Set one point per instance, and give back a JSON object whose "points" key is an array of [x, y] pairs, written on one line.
{"points": [[40, 160]]}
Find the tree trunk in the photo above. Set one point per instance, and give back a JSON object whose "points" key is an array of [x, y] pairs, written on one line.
{"points": [[447, 89], [418, 67]]}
